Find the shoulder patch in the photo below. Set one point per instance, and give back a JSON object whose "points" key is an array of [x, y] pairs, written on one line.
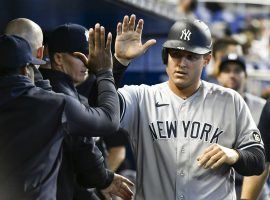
{"points": [[256, 137]]}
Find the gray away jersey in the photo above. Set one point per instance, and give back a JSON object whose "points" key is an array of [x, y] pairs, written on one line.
{"points": [[167, 134]]}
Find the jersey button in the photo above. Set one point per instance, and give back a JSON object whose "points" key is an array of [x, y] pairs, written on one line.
{"points": [[182, 150], [181, 197], [181, 173]]}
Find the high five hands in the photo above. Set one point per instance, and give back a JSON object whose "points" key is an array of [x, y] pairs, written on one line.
{"points": [[128, 44], [100, 55]]}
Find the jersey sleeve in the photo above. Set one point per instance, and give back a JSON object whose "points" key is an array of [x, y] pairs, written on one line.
{"points": [[264, 127], [247, 132], [129, 108]]}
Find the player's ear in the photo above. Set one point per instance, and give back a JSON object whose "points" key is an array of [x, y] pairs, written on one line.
{"points": [[58, 59], [40, 52]]}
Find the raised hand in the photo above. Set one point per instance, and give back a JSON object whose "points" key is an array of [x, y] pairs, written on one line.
{"points": [[100, 55], [128, 44], [216, 155], [119, 187]]}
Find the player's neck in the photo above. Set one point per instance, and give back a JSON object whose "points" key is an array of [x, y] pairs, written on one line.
{"points": [[186, 92]]}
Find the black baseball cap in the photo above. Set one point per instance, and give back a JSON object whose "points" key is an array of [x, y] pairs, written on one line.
{"points": [[15, 52], [232, 58], [68, 38]]}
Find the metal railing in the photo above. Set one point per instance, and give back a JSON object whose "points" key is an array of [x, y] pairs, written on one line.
{"points": [[168, 8], [162, 8]]}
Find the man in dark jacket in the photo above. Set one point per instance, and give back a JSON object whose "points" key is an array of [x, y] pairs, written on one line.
{"points": [[29, 170], [84, 149], [82, 161]]}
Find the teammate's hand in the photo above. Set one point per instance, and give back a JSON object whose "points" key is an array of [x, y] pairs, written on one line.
{"points": [[128, 44], [119, 187], [216, 155], [100, 55]]}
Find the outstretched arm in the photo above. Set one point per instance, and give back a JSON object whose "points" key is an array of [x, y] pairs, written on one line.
{"points": [[103, 119]]}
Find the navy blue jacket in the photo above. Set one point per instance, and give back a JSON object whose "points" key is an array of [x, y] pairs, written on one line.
{"points": [[33, 123], [82, 160]]}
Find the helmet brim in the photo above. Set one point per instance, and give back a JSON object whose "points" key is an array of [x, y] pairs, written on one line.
{"points": [[178, 44]]}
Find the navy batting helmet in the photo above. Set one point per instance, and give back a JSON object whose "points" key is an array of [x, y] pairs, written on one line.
{"points": [[189, 35]]}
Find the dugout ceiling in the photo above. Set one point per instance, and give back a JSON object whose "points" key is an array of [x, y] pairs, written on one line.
{"points": [[50, 13]]}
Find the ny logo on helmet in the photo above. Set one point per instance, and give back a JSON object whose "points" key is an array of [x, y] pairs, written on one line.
{"points": [[185, 35]]}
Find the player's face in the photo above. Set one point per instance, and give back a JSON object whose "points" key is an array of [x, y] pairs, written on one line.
{"points": [[232, 76], [74, 67], [184, 68]]}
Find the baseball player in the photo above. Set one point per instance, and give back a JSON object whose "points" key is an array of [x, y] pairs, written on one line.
{"points": [[188, 135], [233, 74]]}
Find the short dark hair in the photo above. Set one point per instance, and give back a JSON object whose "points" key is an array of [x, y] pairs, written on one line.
{"points": [[222, 43]]}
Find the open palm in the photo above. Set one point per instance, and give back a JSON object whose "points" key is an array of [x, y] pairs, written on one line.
{"points": [[128, 43]]}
